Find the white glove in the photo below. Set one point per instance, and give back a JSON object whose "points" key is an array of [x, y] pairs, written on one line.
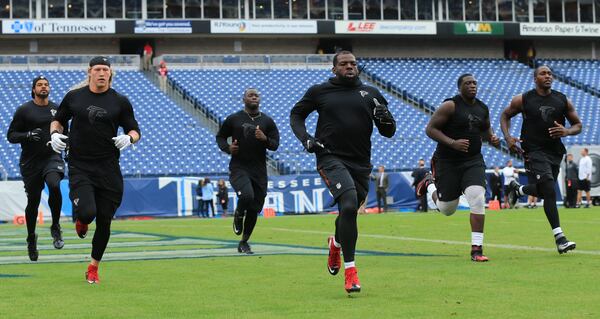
{"points": [[122, 141], [57, 141]]}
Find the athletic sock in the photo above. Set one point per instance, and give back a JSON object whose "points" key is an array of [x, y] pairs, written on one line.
{"points": [[558, 234], [476, 239], [349, 265], [336, 244]]}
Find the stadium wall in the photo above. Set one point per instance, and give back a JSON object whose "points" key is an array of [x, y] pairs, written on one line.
{"points": [[91, 46], [176, 196], [567, 48], [415, 47], [429, 48]]}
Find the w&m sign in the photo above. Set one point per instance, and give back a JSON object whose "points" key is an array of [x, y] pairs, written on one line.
{"points": [[479, 28]]}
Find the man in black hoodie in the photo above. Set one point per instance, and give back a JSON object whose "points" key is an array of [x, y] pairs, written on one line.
{"points": [[342, 143]]}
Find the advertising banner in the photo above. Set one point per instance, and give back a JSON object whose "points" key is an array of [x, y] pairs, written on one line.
{"points": [[478, 28], [263, 26], [163, 26], [561, 29], [58, 26], [385, 27]]}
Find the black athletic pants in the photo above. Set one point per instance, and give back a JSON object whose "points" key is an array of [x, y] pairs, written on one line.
{"points": [[96, 193]]}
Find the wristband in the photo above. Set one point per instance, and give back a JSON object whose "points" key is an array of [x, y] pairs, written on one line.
{"points": [[55, 131]]}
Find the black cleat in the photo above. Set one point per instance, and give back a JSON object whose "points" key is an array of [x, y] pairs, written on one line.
{"points": [[477, 254], [32, 247], [422, 186], [57, 236], [238, 222], [512, 193], [563, 245], [244, 248]]}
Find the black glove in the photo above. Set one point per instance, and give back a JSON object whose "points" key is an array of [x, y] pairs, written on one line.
{"points": [[34, 135], [311, 144], [382, 113]]}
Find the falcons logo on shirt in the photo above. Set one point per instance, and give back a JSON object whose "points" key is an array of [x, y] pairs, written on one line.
{"points": [[546, 113], [249, 130], [53, 112], [474, 122], [94, 113]]}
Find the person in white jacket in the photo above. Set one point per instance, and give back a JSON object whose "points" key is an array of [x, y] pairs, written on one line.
{"points": [[585, 177]]}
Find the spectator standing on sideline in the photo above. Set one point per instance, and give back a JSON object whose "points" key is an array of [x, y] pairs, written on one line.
{"points": [[585, 177], [496, 185], [208, 193], [571, 177], [199, 197], [418, 175], [223, 196], [381, 184], [510, 174]]}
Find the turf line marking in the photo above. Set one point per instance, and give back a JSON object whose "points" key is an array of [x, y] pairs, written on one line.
{"points": [[440, 241]]}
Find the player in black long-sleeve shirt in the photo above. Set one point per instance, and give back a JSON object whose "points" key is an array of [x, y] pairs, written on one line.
{"points": [[252, 133], [30, 127], [96, 185], [342, 143]]}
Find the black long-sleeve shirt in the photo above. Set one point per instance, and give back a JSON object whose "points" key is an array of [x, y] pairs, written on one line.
{"points": [[241, 127], [28, 117], [96, 117], [345, 123]]}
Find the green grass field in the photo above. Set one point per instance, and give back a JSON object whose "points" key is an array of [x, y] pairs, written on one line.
{"points": [[410, 265]]}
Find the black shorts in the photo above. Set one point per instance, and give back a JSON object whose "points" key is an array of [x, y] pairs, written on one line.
{"points": [[506, 189], [104, 176], [584, 185], [453, 176], [341, 175], [34, 175], [240, 178], [542, 166]]}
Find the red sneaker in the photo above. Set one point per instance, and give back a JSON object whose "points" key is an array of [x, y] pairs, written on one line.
{"points": [[91, 275], [81, 229], [477, 254], [334, 261], [352, 282]]}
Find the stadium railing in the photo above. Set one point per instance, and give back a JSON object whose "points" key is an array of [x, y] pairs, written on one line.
{"points": [[65, 62], [247, 61]]}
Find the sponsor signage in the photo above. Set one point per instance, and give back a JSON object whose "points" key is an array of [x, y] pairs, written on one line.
{"points": [[385, 27], [263, 26], [485, 28], [58, 26], [561, 29], [163, 26]]}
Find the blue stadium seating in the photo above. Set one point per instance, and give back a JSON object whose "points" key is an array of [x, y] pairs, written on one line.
{"points": [[220, 92], [435, 79], [173, 142]]}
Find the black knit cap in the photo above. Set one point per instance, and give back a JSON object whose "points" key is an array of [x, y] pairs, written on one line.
{"points": [[99, 60], [35, 81]]}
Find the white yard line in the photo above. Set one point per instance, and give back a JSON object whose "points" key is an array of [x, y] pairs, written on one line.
{"points": [[439, 241]]}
